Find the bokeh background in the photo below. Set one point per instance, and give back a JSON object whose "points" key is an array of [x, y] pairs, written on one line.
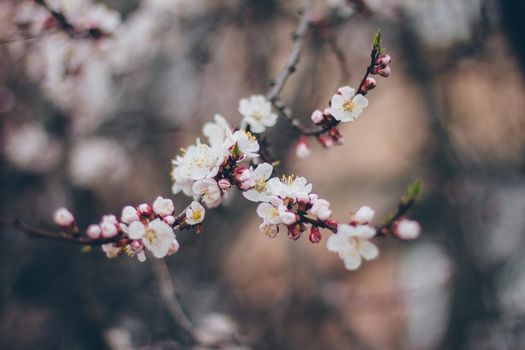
{"points": [[99, 134]]}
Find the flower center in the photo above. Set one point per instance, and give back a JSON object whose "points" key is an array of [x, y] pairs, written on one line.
{"points": [[196, 215], [348, 106], [257, 115], [250, 136], [150, 235], [260, 185]]}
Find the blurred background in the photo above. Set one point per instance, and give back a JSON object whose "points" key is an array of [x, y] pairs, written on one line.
{"points": [[91, 124]]}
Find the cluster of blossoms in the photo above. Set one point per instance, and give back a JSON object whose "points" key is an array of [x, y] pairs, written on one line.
{"points": [[346, 105], [208, 171], [232, 157], [143, 228]]}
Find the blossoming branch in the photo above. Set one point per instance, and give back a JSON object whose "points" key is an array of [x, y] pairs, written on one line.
{"points": [[237, 157]]}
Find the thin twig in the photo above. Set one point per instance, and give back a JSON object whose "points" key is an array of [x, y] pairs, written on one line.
{"points": [[41, 233], [169, 298], [293, 58]]}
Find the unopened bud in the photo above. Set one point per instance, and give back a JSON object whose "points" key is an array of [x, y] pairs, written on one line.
{"points": [[303, 148], [384, 60], [336, 136], [332, 224], [63, 217], [294, 231], [145, 209], [384, 72], [129, 214], [315, 234], [325, 140], [94, 231], [136, 245], [369, 84], [109, 229], [242, 174], [317, 117], [224, 184]]}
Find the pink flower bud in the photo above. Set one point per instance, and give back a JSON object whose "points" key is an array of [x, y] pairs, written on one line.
{"points": [[242, 174], [93, 231], [336, 136], [326, 112], [369, 84], [169, 219], [303, 149], [384, 72], [384, 60], [325, 140], [317, 117], [109, 229], [63, 217], [110, 218], [137, 245], [315, 234], [224, 184], [145, 209], [407, 229], [332, 223], [294, 232]]}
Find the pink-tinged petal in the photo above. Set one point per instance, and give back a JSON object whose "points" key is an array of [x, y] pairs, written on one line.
{"points": [[368, 250]]}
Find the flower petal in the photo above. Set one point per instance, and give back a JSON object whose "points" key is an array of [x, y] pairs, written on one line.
{"points": [[368, 250]]}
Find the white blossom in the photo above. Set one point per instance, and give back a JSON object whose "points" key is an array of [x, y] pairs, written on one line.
{"points": [[269, 212], [156, 235], [352, 244], [257, 113], [246, 143], [346, 107], [293, 187], [181, 182], [63, 217], [364, 215], [163, 206], [199, 161], [408, 229], [217, 132], [209, 191], [257, 182], [129, 214], [195, 213]]}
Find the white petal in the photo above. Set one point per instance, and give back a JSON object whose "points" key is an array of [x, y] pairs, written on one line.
{"points": [[360, 100], [368, 250], [136, 230], [363, 231], [352, 260], [336, 243], [263, 171], [347, 92], [337, 102]]}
